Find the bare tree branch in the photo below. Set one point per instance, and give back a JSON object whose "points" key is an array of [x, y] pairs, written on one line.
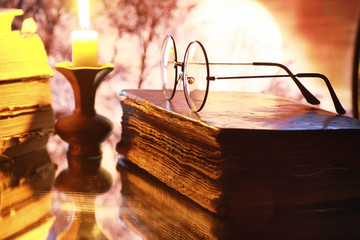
{"points": [[142, 19]]}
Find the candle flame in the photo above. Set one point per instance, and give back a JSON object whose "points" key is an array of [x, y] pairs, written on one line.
{"points": [[84, 17]]}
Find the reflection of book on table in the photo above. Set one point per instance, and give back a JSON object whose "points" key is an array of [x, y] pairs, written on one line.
{"points": [[25, 191], [26, 116], [155, 211], [39, 230], [27, 218], [244, 152]]}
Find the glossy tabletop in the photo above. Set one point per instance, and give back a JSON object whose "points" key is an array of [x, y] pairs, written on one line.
{"points": [[138, 206]]}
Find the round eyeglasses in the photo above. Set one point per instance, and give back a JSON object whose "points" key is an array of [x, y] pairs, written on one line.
{"points": [[195, 75]]}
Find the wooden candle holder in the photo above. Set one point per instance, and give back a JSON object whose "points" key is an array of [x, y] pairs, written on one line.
{"points": [[84, 130]]}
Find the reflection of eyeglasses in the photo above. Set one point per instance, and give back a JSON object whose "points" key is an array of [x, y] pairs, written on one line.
{"points": [[195, 74]]}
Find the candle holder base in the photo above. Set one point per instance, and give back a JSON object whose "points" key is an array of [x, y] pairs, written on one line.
{"points": [[68, 181]]}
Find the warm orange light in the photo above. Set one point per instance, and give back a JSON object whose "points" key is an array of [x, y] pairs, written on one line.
{"points": [[238, 31]]}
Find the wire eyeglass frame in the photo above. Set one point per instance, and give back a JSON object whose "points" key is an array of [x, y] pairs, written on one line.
{"points": [[188, 81]]}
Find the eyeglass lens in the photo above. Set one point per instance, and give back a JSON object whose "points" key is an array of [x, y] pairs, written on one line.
{"points": [[168, 68], [194, 76]]}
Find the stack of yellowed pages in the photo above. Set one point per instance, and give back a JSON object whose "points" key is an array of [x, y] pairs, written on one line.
{"points": [[26, 122]]}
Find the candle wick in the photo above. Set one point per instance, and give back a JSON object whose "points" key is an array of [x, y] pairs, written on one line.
{"points": [[85, 27]]}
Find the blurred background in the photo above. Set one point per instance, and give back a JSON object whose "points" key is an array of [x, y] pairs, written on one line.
{"points": [[307, 36]]}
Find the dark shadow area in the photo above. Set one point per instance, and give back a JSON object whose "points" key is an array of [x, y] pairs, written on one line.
{"points": [[356, 75]]}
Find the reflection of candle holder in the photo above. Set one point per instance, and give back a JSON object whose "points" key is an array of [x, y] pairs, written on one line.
{"points": [[84, 130], [75, 218]]}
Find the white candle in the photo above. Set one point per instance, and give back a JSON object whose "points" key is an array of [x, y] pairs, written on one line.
{"points": [[85, 48], [85, 41]]}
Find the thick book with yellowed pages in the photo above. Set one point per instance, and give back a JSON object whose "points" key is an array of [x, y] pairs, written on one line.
{"points": [[244, 152]]}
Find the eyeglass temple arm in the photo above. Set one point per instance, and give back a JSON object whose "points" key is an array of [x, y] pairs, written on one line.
{"points": [[307, 95], [339, 108]]}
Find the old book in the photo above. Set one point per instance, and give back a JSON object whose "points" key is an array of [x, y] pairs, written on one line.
{"points": [[22, 53], [245, 152], [25, 130], [26, 115], [24, 93], [23, 143], [26, 120]]}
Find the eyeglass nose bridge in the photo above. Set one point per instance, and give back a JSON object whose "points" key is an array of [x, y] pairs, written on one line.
{"points": [[190, 80], [180, 78], [181, 75]]}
